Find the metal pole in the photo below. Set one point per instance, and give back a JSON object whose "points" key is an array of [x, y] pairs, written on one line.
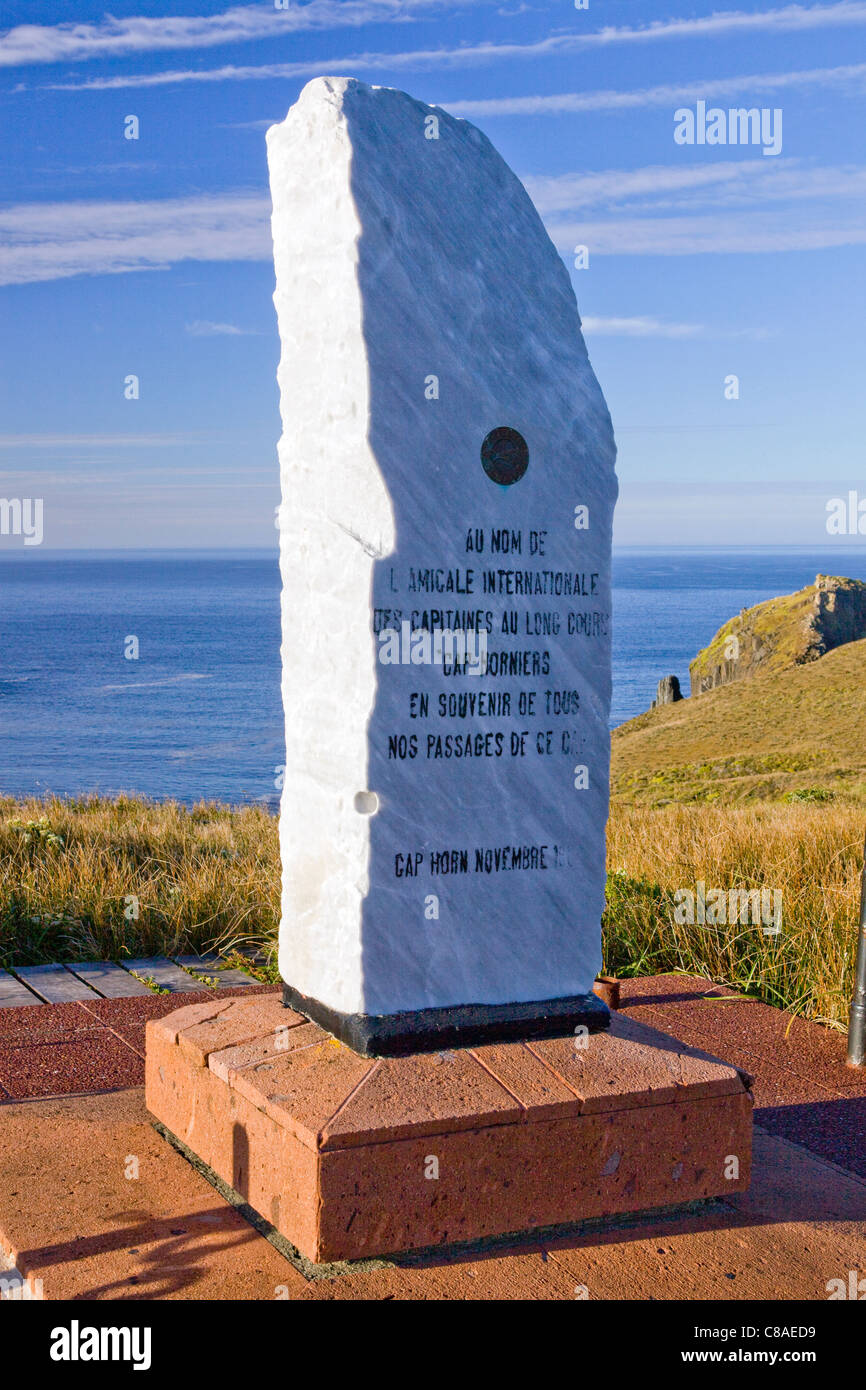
{"points": [[857, 1019]]}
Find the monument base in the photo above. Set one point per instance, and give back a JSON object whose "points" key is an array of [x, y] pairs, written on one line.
{"points": [[349, 1157], [430, 1030]]}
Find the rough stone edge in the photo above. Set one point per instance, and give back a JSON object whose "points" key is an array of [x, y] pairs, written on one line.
{"points": [[335, 1269], [466, 1025]]}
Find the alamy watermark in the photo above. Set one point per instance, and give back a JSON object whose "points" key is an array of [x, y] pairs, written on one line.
{"points": [[846, 516], [77, 1343], [736, 126], [460, 650], [14, 1288], [718, 907], [853, 1287], [22, 516]]}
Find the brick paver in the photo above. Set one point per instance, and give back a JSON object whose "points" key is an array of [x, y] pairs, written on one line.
{"points": [[69, 1214]]}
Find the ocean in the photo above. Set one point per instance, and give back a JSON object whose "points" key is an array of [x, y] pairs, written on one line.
{"points": [[197, 715]]}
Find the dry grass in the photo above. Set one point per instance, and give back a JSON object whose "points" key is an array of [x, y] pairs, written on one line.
{"points": [[813, 854], [210, 875], [98, 879]]}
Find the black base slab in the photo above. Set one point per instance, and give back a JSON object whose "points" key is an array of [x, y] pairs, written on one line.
{"points": [[465, 1025]]}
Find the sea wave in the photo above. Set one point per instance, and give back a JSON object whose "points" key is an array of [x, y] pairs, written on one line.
{"points": [[150, 685]]}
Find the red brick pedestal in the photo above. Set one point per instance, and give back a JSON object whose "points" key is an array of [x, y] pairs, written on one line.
{"points": [[350, 1157]]}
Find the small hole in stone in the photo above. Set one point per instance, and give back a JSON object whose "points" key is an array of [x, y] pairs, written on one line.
{"points": [[366, 803]]}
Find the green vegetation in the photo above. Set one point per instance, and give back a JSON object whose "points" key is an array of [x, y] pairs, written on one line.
{"points": [[758, 784], [150, 982], [811, 853], [783, 632], [778, 627], [112, 880], [810, 794], [209, 878], [773, 735]]}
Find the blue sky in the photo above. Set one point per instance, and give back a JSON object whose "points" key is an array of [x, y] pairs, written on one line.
{"points": [[152, 256]]}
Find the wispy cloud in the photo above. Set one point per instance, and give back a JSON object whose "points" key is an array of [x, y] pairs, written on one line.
{"points": [[231, 72], [559, 192], [851, 75], [143, 478], [203, 328], [51, 241], [732, 206], [729, 206], [787, 19], [725, 23], [92, 441], [727, 183], [251, 125], [639, 328], [685, 236], [649, 327], [70, 42]]}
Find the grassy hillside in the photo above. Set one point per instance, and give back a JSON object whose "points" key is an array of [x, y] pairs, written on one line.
{"points": [[799, 731]]}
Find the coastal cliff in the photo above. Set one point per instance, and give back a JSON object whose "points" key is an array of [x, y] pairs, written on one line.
{"points": [[783, 632], [796, 732]]}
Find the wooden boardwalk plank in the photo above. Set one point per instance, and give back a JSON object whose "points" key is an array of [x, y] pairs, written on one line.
{"points": [[82, 980], [211, 966], [54, 983], [164, 973], [14, 995], [108, 979]]}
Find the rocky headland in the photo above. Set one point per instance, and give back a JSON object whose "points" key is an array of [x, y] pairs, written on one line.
{"points": [[778, 709], [788, 631]]}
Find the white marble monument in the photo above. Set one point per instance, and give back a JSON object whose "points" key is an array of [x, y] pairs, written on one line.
{"points": [[447, 466]]}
